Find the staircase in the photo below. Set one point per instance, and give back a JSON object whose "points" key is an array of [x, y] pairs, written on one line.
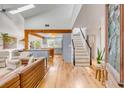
{"points": [[82, 58]]}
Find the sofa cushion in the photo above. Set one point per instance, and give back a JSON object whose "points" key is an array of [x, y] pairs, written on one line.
{"points": [[13, 64], [31, 60], [2, 63], [24, 54]]}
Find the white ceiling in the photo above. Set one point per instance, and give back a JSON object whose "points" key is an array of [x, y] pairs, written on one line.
{"points": [[59, 16], [39, 8]]}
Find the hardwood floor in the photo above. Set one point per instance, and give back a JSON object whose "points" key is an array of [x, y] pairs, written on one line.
{"points": [[65, 75], [111, 82]]}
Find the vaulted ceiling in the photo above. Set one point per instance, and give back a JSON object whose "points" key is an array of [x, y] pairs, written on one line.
{"points": [[57, 15], [39, 8]]}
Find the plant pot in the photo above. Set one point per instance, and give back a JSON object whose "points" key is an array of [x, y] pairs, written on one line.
{"points": [[98, 65]]}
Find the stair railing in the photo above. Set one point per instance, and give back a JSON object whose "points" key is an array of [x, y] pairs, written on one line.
{"points": [[73, 52], [87, 45]]}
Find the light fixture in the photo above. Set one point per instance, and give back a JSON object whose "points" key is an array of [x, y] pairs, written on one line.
{"points": [[21, 9]]}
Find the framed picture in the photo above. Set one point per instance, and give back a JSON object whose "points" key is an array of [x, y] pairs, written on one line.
{"points": [[114, 41]]}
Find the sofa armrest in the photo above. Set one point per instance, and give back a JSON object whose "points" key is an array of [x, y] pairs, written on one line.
{"points": [[11, 80]]}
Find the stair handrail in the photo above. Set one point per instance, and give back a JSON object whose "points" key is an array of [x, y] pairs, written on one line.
{"points": [[90, 49], [73, 52]]}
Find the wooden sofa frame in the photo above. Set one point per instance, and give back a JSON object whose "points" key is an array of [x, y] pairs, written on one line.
{"points": [[27, 77]]}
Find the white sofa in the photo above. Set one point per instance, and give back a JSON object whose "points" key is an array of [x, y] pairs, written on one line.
{"points": [[2, 62], [13, 63], [9, 59], [3, 56]]}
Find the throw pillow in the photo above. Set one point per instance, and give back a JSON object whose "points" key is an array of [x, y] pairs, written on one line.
{"points": [[31, 60]]}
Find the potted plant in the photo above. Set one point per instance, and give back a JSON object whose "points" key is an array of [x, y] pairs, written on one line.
{"points": [[37, 44], [99, 56], [6, 39]]}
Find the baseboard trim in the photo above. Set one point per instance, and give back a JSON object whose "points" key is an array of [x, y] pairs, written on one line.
{"points": [[121, 85]]}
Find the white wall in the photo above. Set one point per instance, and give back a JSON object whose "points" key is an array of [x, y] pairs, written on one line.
{"points": [[91, 17], [67, 48], [12, 24], [58, 18], [75, 12]]}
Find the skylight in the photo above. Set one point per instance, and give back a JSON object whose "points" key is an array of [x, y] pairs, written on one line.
{"points": [[21, 9]]}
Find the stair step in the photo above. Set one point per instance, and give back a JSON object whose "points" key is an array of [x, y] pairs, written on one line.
{"points": [[82, 65], [76, 34], [79, 42], [77, 50], [80, 48], [76, 38], [78, 45], [81, 57], [85, 64], [82, 60], [80, 52]]}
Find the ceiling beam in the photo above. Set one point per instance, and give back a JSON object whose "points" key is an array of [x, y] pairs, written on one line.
{"points": [[26, 38], [35, 31], [49, 30], [35, 34]]}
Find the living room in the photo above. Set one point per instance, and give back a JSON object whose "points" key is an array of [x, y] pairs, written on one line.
{"points": [[39, 41], [19, 46]]}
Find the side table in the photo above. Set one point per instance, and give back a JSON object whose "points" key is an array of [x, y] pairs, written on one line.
{"points": [[101, 73]]}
